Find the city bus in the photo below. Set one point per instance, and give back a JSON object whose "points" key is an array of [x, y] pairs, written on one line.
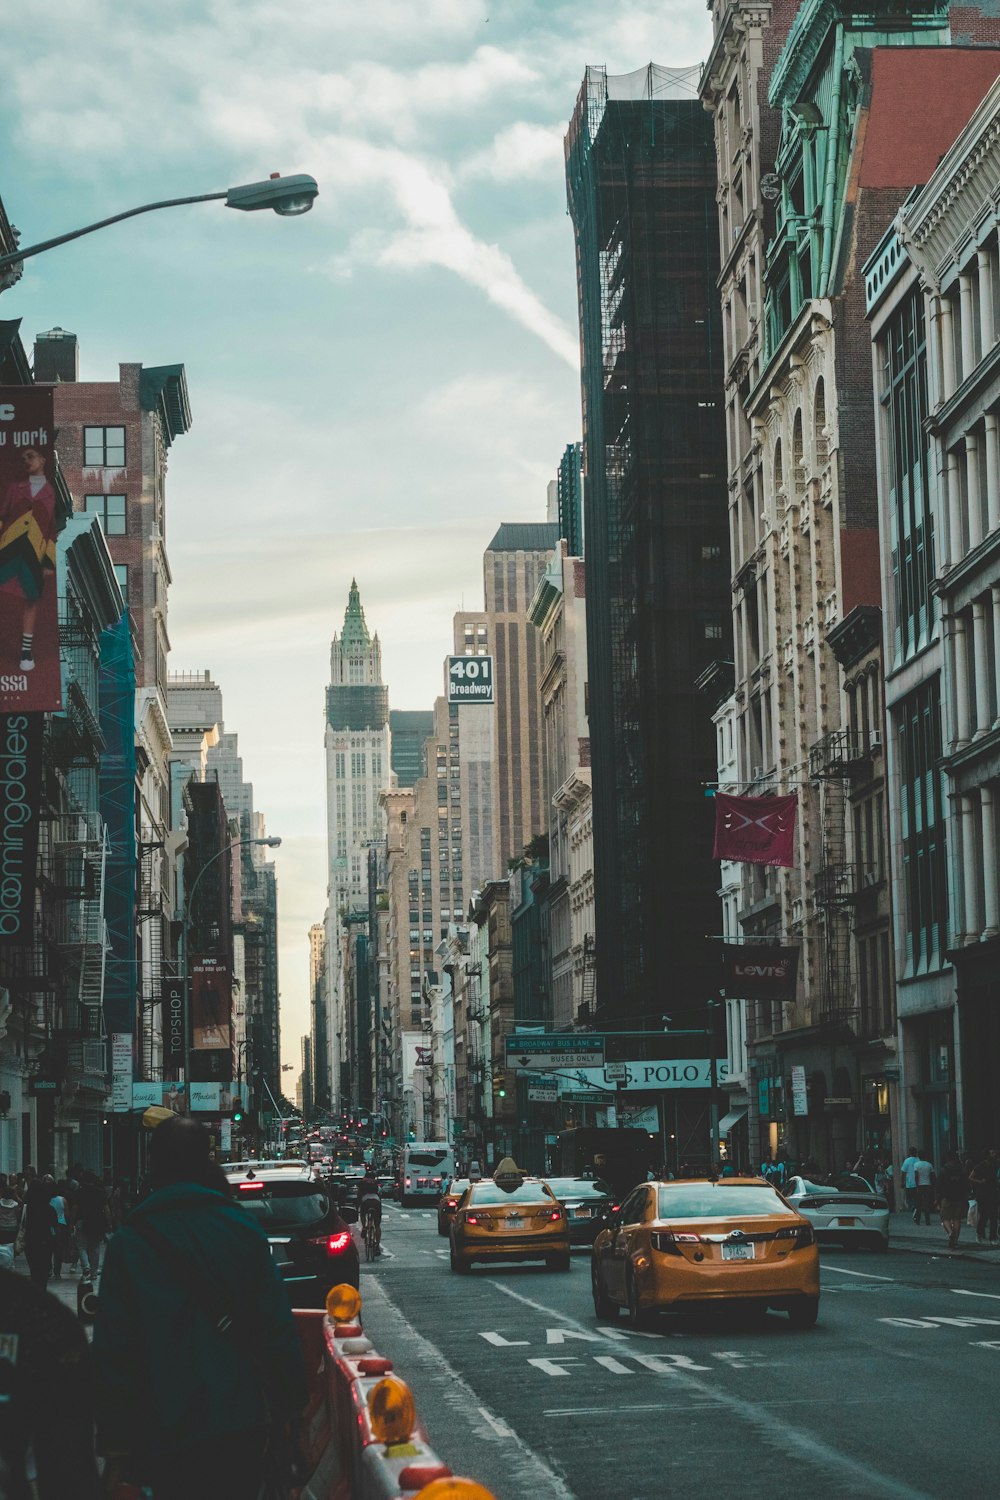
{"points": [[421, 1169]]}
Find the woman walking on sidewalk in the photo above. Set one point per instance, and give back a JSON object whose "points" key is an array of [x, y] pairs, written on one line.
{"points": [[953, 1194], [984, 1184]]}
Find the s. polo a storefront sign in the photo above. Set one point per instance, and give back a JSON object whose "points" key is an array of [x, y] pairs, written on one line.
{"points": [[20, 794]]}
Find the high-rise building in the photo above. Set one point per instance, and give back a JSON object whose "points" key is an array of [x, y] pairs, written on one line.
{"points": [[472, 740], [357, 773], [641, 185], [569, 498], [408, 729], [513, 563]]}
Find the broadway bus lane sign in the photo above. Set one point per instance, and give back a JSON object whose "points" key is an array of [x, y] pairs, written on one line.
{"points": [[541, 1053]]}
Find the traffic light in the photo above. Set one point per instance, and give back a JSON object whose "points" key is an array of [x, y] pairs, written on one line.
{"points": [[500, 1085], [237, 1114]]}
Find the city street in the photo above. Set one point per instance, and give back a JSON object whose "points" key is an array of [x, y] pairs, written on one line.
{"points": [[519, 1386]]}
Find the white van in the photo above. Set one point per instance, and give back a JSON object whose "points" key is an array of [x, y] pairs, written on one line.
{"points": [[423, 1166]]}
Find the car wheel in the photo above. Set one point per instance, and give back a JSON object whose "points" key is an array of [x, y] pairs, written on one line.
{"points": [[557, 1262], [638, 1317], [804, 1312], [604, 1308], [458, 1265]]}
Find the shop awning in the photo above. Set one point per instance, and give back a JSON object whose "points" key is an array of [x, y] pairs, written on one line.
{"points": [[728, 1121]]}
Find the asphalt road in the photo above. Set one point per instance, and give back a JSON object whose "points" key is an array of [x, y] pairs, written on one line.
{"points": [[518, 1385]]}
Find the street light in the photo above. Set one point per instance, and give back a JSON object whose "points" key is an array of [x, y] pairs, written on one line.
{"points": [[271, 842], [287, 196]]}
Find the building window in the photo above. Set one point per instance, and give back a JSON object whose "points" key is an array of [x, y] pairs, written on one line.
{"points": [[922, 827], [713, 631], [121, 573], [340, 764], [104, 447], [905, 397], [111, 511]]}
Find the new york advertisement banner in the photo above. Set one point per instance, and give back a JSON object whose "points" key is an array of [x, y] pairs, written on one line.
{"points": [[20, 795], [211, 1002], [755, 830], [759, 972], [29, 520]]}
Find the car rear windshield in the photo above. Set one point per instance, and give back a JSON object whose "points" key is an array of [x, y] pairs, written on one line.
{"points": [[426, 1158], [284, 1205], [487, 1193], [576, 1187], [702, 1201]]}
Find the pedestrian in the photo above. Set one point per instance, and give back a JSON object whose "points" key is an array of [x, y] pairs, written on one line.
{"points": [[91, 1222], [188, 1403], [953, 1195], [47, 1403], [60, 1248], [907, 1172], [923, 1188], [11, 1209], [39, 1230], [984, 1183]]}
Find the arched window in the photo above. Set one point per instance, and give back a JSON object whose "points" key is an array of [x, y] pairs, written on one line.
{"points": [[820, 442], [798, 473], [779, 478]]}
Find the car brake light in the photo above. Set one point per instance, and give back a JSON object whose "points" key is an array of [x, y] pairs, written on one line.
{"points": [[337, 1243], [471, 1219], [805, 1235], [408, 1181], [615, 1207], [555, 1214], [662, 1239], [251, 1187]]}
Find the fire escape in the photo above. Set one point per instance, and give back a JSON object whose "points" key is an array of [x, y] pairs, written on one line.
{"points": [[834, 762], [80, 851]]}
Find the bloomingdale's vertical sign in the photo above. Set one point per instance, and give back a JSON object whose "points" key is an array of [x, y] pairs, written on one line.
{"points": [[20, 795]]}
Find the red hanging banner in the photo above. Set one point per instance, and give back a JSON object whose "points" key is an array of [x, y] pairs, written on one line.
{"points": [[755, 830]]}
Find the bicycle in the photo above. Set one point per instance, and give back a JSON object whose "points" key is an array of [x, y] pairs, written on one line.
{"points": [[372, 1232]]}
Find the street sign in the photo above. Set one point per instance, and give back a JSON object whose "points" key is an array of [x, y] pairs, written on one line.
{"points": [[616, 1072], [647, 1077], [543, 1090], [470, 679], [540, 1053]]}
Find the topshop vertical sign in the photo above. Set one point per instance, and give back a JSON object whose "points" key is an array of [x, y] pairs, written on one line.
{"points": [[20, 795]]}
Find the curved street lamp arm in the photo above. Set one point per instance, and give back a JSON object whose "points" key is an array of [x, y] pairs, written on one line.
{"points": [[74, 234]]}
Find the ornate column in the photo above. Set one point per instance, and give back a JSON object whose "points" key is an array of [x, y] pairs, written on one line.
{"points": [[970, 866], [953, 490], [992, 471], [974, 499], [967, 315], [991, 891], [987, 324], [981, 663], [995, 590], [948, 380], [960, 675]]}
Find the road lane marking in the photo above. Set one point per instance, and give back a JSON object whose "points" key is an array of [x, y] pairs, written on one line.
{"points": [[600, 1411], [499, 1342], [530, 1471], [773, 1432], [555, 1366], [960, 1291], [869, 1275], [614, 1365]]}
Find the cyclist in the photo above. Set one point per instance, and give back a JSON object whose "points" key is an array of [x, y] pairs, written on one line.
{"points": [[370, 1206]]}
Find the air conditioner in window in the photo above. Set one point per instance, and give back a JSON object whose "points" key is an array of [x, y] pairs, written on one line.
{"points": [[875, 740]]}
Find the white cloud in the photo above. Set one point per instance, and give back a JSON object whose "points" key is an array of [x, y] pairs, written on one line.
{"points": [[522, 151]]}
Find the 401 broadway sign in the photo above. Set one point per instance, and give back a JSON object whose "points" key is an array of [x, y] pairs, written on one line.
{"points": [[20, 793], [470, 679]]}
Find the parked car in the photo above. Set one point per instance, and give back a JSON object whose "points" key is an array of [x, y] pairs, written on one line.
{"points": [[689, 1243], [846, 1212], [310, 1238], [588, 1201]]}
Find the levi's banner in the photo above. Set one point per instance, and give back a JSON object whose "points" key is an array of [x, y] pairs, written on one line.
{"points": [[20, 795], [758, 972], [30, 678], [755, 830]]}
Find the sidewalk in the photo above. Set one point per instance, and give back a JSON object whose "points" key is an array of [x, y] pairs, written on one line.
{"points": [[930, 1239]]}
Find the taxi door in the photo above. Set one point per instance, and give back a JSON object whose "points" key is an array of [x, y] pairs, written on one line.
{"points": [[626, 1229]]}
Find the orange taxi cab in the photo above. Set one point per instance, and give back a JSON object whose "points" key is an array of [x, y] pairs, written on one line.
{"points": [[509, 1217], [680, 1244]]}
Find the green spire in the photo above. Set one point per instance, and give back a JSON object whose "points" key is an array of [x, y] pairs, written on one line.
{"points": [[355, 628]]}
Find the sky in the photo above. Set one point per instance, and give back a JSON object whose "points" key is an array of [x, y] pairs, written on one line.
{"points": [[375, 386]]}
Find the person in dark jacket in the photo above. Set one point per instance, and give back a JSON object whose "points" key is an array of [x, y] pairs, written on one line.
{"points": [[39, 1230], [183, 1407], [46, 1397], [953, 1197]]}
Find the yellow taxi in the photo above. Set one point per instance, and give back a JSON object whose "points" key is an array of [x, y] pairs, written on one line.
{"points": [[509, 1217], [680, 1244], [447, 1204]]}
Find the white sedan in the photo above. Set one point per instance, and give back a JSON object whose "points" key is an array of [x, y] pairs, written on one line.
{"points": [[849, 1212]]}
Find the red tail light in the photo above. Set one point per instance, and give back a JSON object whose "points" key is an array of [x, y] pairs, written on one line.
{"points": [[662, 1239], [251, 1187], [471, 1219], [334, 1244], [555, 1215]]}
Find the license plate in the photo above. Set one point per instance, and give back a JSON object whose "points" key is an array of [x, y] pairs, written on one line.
{"points": [[738, 1252], [582, 1213], [846, 1223], [513, 1223]]}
